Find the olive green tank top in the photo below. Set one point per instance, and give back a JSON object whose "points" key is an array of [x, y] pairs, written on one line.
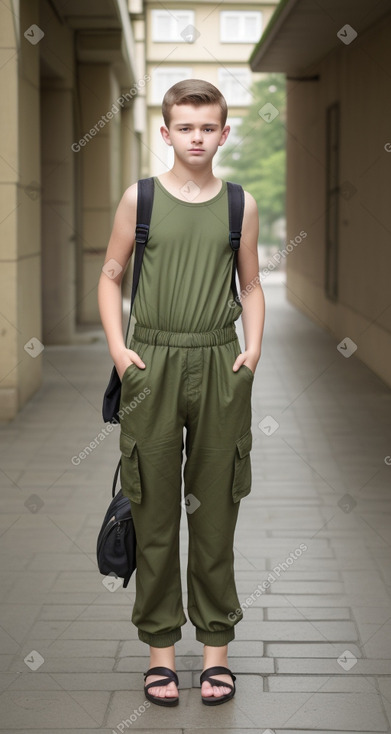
{"points": [[185, 281]]}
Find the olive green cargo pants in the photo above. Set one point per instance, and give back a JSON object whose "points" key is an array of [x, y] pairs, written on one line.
{"points": [[188, 382]]}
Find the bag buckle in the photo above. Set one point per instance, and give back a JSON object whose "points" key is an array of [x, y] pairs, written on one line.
{"points": [[142, 231], [234, 240]]}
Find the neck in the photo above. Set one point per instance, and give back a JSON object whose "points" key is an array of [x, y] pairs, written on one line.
{"points": [[201, 176]]}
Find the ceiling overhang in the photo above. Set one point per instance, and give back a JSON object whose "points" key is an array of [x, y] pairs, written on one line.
{"points": [[302, 32], [103, 33]]}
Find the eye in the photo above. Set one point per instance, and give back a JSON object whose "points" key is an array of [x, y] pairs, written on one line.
{"points": [[183, 129]]}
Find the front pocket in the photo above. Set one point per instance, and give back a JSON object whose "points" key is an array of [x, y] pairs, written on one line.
{"points": [[248, 371], [130, 468], [140, 349], [128, 369], [241, 485]]}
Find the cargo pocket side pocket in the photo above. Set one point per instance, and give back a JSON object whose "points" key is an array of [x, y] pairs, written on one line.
{"points": [[241, 485], [130, 468]]}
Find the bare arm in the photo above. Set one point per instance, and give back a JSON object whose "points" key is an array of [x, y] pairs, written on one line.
{"points": [[252, 298], [118, 253]]}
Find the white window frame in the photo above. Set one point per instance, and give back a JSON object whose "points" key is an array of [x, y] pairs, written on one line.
{"points": [[229, 74], [240, 19], [159, 87], [176, 26]]}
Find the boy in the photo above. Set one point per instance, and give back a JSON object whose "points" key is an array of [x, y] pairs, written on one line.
{"points": [[185, 358]]}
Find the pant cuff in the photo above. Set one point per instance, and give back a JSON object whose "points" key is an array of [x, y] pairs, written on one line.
{"points": [[160, 640], [215, 639]]}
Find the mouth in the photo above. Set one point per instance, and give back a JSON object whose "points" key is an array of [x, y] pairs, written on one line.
{"points": [[196, 150]]}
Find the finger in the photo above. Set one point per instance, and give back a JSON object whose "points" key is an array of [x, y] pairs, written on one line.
{"points": [[138, 361]]}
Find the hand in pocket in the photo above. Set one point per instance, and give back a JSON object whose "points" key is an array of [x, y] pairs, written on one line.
{"points": [[127, 358]]}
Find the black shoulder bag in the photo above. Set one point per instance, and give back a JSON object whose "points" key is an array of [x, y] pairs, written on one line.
{"points": [[116, 545]]}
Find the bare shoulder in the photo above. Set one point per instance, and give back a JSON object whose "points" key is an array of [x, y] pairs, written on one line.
{"points": [[129, 197], [250, 217], [248, 265], [250, 205], [121, 241]]}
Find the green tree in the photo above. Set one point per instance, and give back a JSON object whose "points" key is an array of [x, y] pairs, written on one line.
{"points": [[257, 159]]}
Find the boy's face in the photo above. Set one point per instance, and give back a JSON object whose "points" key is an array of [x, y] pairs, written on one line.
{"points": [[195, 132]]}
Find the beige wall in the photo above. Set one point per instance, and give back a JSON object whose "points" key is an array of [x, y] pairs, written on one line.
{"points": [[358, 77]]}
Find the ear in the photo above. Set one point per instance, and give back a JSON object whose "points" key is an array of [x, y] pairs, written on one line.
{"points": [[165, 135], [224, 135]]}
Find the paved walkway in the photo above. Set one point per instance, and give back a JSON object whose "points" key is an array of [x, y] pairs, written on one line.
{"points": [[313, 652]]}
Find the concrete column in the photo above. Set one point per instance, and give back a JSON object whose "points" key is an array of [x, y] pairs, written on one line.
{"points": [[58, 216], [100, 152], [130, 148]]}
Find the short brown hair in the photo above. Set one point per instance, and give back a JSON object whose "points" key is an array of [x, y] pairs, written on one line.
{"points": [[196, 92]]}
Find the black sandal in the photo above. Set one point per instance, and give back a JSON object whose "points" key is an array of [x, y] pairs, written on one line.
{"points": [[171, 676], [216, 670]]}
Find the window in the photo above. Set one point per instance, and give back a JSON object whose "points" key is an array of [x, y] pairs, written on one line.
{"points": [[164, 77], [241, 26], [234, 84], [332, 203], [167, 25]]}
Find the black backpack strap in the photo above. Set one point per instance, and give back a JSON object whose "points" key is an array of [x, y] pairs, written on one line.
{"points": [[236, 211], [116, 477], [145, 194]]}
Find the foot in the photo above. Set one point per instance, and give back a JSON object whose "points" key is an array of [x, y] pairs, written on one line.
{"points": [[216, 656], [168, 691], [162, 656]]}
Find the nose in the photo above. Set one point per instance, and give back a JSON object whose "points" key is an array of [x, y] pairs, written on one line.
{"points": [[197, 136]]}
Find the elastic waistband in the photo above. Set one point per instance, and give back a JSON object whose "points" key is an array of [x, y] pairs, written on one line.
{"points": [[182, 339]]}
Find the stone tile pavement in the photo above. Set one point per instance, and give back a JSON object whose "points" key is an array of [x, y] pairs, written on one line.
{"points": [[312, 555]]}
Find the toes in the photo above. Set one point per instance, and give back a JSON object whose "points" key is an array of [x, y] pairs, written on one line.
{"points": [[163, 691], [170, 691], [215, 691], [220, 690], [208, 690]]}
